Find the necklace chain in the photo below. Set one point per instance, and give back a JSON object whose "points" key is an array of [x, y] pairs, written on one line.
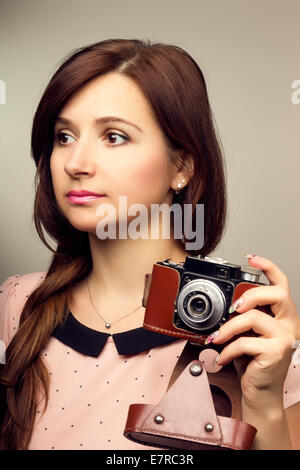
{"points": [[107, 324]]}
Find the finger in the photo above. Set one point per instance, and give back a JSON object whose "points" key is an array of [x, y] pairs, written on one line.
{"points": [[268, 351], [243, 346], [259, 322], [270, 269], [276, 296]]}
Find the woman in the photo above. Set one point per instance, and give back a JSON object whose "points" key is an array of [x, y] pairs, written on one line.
{"points": [[78, 356]]}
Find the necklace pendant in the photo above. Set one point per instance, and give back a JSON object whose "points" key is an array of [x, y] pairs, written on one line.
{"points": [[107, 325]]}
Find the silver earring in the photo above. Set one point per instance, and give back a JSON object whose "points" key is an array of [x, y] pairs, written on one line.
{"points": [[179, 186]]}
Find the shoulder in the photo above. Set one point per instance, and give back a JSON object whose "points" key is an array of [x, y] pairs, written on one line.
{"points": [[14, 292], [18, 287]]}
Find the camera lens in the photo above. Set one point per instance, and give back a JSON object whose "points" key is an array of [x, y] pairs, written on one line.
{"points": [[198, 305], [201, 304]]}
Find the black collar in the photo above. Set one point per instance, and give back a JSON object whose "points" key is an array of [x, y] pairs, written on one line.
{"points": [[91, 342]]}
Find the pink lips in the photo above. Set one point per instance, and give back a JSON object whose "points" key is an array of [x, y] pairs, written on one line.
{"points": [[83, 196]]}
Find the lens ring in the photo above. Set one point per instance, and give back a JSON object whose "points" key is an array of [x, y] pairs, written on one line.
{"points": [[197, 305], [209, 290]]}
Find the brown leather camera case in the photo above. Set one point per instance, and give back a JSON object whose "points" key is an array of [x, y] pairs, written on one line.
{"points": [[186, 417], [160, 294]]}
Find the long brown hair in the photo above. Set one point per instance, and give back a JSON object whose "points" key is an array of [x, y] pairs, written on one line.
{"points": [[175, 87]]}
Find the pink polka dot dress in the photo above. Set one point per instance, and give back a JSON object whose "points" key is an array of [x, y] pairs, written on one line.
{"points": [[94, 376]]}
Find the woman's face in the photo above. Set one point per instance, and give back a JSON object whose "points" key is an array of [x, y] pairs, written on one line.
{"points": [[110, 158]]}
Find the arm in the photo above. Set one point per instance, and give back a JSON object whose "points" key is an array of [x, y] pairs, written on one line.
{"points": [[273, 431]]}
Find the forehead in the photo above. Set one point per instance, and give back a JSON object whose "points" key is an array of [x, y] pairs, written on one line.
{"points": [[111, 94]]}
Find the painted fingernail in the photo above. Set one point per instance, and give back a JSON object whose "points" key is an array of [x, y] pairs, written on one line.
{"points": [[211, 337], [216, 360], [251, 255], [236, 305]]}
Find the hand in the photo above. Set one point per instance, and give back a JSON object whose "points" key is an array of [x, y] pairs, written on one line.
{"points": [[263, 374]]}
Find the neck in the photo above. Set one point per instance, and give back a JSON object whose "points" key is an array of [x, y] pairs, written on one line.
{"points": [[116, 281], [119, 266]]}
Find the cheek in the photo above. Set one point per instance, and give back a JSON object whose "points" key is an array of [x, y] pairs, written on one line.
{"points": [[52, 171], [152, 178], [55, 175]]}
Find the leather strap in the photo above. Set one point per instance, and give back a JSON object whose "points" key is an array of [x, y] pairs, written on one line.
{"points": [[225, 385], [189, 419]]}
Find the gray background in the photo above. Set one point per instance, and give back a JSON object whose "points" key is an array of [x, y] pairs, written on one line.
{"points": [[249, 54]]}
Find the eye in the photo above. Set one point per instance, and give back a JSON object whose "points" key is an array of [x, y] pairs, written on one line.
{"points": [[118, 135], [61, 136]]}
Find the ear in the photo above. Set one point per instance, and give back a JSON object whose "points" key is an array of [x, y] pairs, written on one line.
{"points": [[183, 170]]}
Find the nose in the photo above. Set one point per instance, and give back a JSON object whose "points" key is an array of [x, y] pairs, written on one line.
{"points": [[79, 161]]}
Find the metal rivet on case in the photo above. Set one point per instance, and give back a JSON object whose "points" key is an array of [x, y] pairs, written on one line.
{"points": [[159, 419], [196, 369], [209, 427]]}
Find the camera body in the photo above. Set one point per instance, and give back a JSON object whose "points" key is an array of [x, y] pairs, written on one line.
{"points": [[191, 299]]}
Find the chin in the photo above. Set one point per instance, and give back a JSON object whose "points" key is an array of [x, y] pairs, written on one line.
{"points": [[83, 224]]}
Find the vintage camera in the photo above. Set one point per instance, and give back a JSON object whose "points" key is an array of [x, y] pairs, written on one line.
{"points": [[191, 299]]}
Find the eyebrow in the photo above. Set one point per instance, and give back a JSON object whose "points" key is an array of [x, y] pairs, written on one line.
{"points": [[101, 120]]}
